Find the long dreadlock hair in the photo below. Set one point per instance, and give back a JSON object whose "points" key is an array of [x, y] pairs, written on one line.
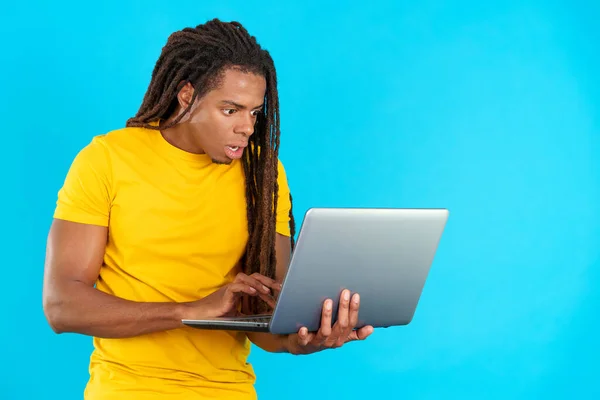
{"points": [[200, 56]]}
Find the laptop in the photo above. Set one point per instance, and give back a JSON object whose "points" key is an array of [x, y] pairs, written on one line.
{"points": [[384, 254]]}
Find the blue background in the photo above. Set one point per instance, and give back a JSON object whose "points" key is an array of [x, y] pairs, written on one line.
{"points": [[491, 110]]}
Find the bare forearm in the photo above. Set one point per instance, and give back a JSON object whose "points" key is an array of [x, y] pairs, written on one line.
{"points": [[271, 343], [80, 308]]}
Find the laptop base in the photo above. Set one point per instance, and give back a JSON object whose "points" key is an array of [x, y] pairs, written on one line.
{"points": [[244, 324]]}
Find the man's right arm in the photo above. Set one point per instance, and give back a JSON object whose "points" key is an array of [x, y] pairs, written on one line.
{"points": [[74, 255], [71, 302]]}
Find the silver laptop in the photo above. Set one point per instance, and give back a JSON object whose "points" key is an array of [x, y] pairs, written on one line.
{"points": [[383, 254]]}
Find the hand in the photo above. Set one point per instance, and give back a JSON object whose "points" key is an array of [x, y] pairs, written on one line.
{"points": [[225, 301], [343, 331]]}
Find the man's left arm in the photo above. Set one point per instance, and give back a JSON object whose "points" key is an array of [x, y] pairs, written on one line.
{"points": [[329, 335]]}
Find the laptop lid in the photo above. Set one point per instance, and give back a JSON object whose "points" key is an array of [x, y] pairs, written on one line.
{"points": [[383, 254]]}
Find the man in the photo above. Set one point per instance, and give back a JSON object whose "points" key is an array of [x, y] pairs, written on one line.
{"points": [[185, 213]]}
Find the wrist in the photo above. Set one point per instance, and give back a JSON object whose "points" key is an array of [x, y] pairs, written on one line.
{"points": [[182, 311], [271, 343], [198, 309]]}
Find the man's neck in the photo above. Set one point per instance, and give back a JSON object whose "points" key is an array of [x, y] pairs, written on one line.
{"points": [[180, 137]]}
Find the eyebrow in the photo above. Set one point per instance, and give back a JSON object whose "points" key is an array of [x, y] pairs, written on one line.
{"points": [[233, 103]]}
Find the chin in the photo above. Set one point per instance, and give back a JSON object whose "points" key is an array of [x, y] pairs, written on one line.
{"points": [[223, 160]]}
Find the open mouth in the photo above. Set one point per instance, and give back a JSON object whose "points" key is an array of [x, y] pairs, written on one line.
{"points": [[234, 152]]}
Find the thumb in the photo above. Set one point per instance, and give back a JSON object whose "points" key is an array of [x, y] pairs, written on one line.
{"points": [[304, 337], [360, 334]]}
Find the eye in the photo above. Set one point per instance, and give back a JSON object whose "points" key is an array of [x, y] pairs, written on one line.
{"points": [[256, 113], [229, 111]]}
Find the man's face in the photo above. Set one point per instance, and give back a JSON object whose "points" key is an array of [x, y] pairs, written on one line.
{"points": [[221, 122]]}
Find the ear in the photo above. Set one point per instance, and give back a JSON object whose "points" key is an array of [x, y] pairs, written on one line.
{"points": [[185, 94]]}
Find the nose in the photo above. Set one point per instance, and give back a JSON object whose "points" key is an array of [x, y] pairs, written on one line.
{"points": [[245, 125]]}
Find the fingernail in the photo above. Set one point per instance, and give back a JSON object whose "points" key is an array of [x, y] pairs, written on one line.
{"points": [[346, 295], [356, 298], [266, 289], [252, 290], [328, 305]]}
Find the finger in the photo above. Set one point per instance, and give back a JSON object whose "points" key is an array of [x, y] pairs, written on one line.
{"points": [[266, 281], [268, 299], [304, 337], [362, 333], [352, 320], [342, 321], [325, 328], [353, 315], [239, 287], [242, 287], [264, 292], [342, 327], [249, 280]]}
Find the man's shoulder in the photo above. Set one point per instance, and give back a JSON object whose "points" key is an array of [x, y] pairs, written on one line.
{"points": [[117, 140], [122, 137], [104, 149]]}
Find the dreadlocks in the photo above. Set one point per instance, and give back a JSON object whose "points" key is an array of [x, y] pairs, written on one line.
{"points": [[200, 56]]}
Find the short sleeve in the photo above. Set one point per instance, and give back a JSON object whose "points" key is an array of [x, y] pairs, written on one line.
{"points": [[85, 195], [283, 203]]}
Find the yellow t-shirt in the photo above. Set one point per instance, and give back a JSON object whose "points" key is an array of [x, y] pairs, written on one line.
{"points": [[177, 228]]}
